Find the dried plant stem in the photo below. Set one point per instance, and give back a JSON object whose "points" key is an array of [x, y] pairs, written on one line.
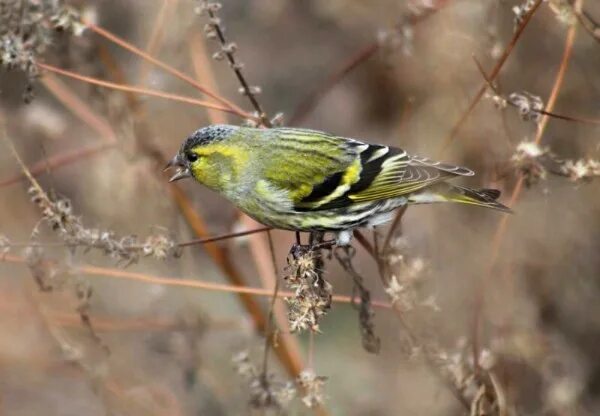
{"points": [[105, 272], [237, 69], [186, 78], [141, 90], [491, 77], [226, 236], [503, 224]]}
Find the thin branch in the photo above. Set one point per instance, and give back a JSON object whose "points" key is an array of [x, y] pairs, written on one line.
{"points": [[105, 272], [223, 237], [126, 45], [141, 90]]}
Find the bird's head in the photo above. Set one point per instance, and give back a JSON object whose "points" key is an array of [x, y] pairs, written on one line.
{"points": [[210, 156]]}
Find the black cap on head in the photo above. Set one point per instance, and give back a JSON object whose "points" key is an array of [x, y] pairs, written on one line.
{"points": [[207, 135]]}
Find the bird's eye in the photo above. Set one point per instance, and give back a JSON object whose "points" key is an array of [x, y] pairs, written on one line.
{"points": [[191, 157]]}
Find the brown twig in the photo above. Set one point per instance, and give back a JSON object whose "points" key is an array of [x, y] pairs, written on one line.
{"points": [[141, 90], [186, 78], [221, 237], [105, 272]]}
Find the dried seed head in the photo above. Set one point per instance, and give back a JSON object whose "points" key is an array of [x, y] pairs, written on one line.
{"points": [[581, 170], [521, 11], [529, 105], [27, 30], [312, 385], [312, 294], [564, 12], [265, 391]]}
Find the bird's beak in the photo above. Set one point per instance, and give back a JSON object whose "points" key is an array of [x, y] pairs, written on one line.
{"points": [[182, 170]]}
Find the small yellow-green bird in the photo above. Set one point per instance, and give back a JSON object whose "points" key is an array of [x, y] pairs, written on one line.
{"points": [[306, 180]]}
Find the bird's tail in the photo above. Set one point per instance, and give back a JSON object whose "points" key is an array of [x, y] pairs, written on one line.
{"points": [[444, 192], [481, 197]]}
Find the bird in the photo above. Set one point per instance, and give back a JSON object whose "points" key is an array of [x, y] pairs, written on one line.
{"points": [[311, 181]]}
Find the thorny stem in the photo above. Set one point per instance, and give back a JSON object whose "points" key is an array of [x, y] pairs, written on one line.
{"points": [[236, 67], [492, 76]]}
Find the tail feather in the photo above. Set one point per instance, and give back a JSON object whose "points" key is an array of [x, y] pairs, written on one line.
{"points": [[481, 197]]}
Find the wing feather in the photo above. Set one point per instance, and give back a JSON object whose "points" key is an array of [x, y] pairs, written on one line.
{"points": [[326, 172]]}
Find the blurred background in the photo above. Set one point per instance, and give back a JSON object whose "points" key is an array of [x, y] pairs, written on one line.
{"points": [[104, 329]]}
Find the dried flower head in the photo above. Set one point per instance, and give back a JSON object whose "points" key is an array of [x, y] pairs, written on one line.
{"points": [[27, 29], [58, 214], [528, 105], [521, 10], [581, 170], [312, 385], [312, 293], [528, 160], [407, 273], [563, 11], [265, 391]]}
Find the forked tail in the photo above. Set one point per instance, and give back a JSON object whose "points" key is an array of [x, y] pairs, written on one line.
{"points": [[481, 197], [444, 192]]}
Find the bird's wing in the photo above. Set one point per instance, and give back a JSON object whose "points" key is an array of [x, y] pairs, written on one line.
{"points": [[378, 173], [319, 171]]}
